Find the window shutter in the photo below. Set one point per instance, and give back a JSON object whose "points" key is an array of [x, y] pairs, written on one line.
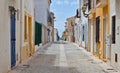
{"points": [[113, 28], [97, 29]]}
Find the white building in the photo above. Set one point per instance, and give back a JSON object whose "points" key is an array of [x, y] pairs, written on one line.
{"points": [[84, 25], [77, 31], [12, 32], [52, 25], [55, 35], [9, 31], [115, 32], [42, 12]]}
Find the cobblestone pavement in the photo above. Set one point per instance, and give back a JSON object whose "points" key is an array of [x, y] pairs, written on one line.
{"points": [[62, 57]]}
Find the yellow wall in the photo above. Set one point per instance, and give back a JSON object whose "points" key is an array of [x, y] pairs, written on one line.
{"points": [[29, 48], [101, 12], [106, 11], [91, 18], [25, 54], [89, 34], [94, 29]]}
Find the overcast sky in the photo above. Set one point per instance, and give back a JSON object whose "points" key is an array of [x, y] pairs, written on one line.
{"points": [[63, 9]]}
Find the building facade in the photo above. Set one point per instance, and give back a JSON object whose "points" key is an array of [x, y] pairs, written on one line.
{"points": [[77, 31], [27, 29], [84, 24], [51, 27], [13, 45], [69, 29], [99, 25], [55, 34], [103, 26], [42, 14], [64, 36], [115, 24], [9, 44]]}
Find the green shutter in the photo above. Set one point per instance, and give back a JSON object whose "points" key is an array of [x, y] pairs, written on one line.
{"points": [[38, 33]]}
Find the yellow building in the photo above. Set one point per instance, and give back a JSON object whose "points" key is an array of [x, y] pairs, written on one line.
{"points": [[64, 36], [99, 20], [69, 29], [28, 37]]}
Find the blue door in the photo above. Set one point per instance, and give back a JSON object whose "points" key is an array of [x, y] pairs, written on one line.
{"points": [[13, 39]]}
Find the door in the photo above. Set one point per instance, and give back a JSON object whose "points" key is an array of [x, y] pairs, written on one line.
{"points": [[104, 35], [13, 40], [30, 35], [91, 38], [97, 35]]}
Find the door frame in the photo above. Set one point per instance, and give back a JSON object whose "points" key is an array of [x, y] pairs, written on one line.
{"points": [[13, 38], [104, 37], [30, 34]]}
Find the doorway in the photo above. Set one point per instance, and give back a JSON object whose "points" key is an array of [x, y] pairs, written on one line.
{"points": [[104, 37], [30, 34], [13, 39]]}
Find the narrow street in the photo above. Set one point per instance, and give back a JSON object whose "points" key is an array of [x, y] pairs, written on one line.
{"points": [[63, 57]]}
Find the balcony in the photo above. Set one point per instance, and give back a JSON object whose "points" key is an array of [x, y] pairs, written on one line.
{"points": [[101, 3]]}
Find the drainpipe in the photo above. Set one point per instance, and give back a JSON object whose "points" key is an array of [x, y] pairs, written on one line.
{"points": [[21, 22]]}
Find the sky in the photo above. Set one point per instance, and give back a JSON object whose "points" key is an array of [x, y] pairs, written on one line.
{"points": [[63, 9]]}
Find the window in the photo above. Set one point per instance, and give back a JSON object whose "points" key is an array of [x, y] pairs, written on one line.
{"points": [[113, 29], [98, 29], [89, 4], [30, 27], [25, 27], [116, 58], [83, 37]]}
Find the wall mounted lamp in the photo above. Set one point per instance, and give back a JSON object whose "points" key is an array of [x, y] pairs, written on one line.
{"points": [[84, 8], [12, 9]]}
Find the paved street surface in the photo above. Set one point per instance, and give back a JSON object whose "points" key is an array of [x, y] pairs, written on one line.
{"points": [[62, 57]]}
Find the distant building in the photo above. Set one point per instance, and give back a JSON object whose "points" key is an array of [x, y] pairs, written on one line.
{"points": [[55, 35], [64, 36], [69, 29], [51, 25]]}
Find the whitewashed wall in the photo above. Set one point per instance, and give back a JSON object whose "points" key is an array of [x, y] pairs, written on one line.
{"points": [[4, 36], [77, 30], [41, 11], [55, 34], [30, 9], [115, 10], [84, 22], [5, 47]]}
